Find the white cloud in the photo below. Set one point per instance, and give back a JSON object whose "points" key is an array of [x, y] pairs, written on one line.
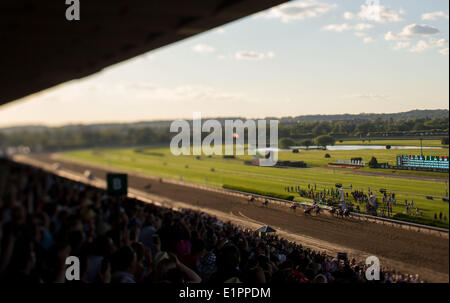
{"points": [[349, 16], [421, 46], [363, 26], [346, 27], [434, 15], [360, 34], [249, 55], [439, 43], [203, 48], [444, 51], [368, 40], [412, 30], [141, 92], [297, 10], [390, 36], [369, 96], [338, 27], [135, 86], [401, 45], [420, 30], [379, 13], [187, 93]]}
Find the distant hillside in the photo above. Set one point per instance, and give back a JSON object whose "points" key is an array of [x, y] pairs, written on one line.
{"points": [[414, 114]]}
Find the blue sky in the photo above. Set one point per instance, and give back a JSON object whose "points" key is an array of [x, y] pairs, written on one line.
{"points": [[305, 57]]}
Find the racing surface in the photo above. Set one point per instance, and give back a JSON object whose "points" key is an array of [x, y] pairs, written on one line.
{"points": [[407, 251]]}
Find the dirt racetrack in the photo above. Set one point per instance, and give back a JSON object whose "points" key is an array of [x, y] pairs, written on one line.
{"points": [[405, 250]]}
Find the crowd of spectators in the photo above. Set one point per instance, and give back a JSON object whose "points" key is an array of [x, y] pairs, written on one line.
{"points": [[44, 219]]}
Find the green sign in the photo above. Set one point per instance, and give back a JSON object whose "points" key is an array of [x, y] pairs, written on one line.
{"points": [[117, 184]]}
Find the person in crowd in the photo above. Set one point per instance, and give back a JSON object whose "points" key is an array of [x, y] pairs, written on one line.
{"points": [[124, 265]]}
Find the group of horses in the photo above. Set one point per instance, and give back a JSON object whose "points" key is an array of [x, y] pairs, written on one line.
{"points": [[343, 213], [252, 199], [310, 210]]}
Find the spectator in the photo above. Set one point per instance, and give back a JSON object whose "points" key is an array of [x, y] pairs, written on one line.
{"points": [[124, 264]]}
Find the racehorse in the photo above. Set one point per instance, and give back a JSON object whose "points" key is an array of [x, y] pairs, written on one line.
{"points": [[317, 210], [265, 203], [332, 210], [343, 213], [251, 199], [308, 211]]}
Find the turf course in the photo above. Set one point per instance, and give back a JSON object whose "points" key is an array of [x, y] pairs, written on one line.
{"points": [[216, 171]]}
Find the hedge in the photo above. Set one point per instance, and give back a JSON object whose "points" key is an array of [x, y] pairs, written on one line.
{"points": [[420, 220], [258, 192]]}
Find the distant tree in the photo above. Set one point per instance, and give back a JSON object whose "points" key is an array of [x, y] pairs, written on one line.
{"points": [[307, 143], [444, 141], [325, 140], [317, 130], [419, 125], [365, 127], [286, 142], [327, 156], [295, 151], [373, 163], [388, 147]]}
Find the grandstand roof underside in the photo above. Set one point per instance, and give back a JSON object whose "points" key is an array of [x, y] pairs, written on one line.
{"points": [[39, 48]]}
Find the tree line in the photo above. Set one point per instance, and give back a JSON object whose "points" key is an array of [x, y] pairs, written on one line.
{"points": [[301, 133], [374, 127]]}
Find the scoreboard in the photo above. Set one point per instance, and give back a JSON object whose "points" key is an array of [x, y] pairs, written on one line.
{"points": [[419, 161]]}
